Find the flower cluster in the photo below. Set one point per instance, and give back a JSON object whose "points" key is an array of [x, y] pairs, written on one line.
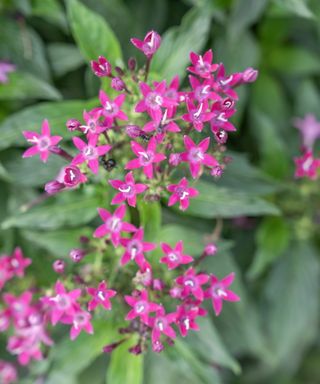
{"points": [[13, 265], [147, 141], [307, 165]]}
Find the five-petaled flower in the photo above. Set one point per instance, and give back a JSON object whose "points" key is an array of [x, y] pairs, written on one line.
{"points": [[182, 193], [202, 65], [160, 323], [100, 296], [149, 45], [174, 256], [307, 166], [141, 306], [111, 109], [191, 283]]}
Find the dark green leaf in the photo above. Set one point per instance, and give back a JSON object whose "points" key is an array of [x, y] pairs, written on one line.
{"points": [[50, 10], [64, 58]]}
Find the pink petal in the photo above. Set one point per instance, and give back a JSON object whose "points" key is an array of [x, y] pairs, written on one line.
{"points": [[132, 164], [228, 280], [79, 144], [188, 143], [119, 198], [136, 148], [204, 144], [94, 165], [104, 214], [217, 305], [103, 149], [148, 171], [45, 128], [30, 152]]}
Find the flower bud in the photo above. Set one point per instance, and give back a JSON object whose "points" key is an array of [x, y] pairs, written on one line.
{"points": [[77, 254], [119, 71], [53, 187], [136, 349], [216, 171], [175, 159], [210, 249], [111, 347], [117, 84], [72, 176], [73, 124], [158, 285], [221, 136], [132, 63], [102, 67], [249, 75], [59, 266], [133, 131]]}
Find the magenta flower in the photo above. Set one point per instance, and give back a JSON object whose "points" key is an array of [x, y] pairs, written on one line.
{"points": [[161, 127], [42, 142], [172, 93], [8, 373], [146, 157], [202, 90], [70, 176], [93, 125], [154, 100], [113, 224], [102, 67], [220, 118], [135, 249], [81, 321], [19, 307], [307, 166], [127, 190], [174, 256], [100, 296], [149, 45], [197, 115], [181, 192], [196, 157], [202, 65], [225, 83], [89, 152], [63, 304], [141, 307], [18, 263], [161, 324], [186, 315], [219, 291], [5, 68], [309, 128], [191, 283], [112, 108], [5, 270]]}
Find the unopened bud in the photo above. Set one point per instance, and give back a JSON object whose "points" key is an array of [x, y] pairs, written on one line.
{"points": [[59, 266], [73, 124], [53, 187], [132, 63], [77, 254], [133, 131], [117, 84]]}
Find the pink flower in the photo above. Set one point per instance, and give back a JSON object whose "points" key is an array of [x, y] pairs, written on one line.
{"points": [[146, 157], [102, 67], [249, 75], [63, 304], [127, 190], [149, 45], [219, 118], [210, 249], [113, 224], [81, 321], [5, 270], [197, 115], [100, 296], [196, 156], [307, 166], [174, 256], [154, 100], [161, 127], [186, 315], [93, 125], [5, 68], [219, 291], [89, 152], [8, 373], [191, 283], [202, 90], [112, 108], [18, 263], [135, 249], [172, 93], [225, 83], [42, 142], [202, 65], [141, 306], [161, 324], [181, 192], [18, 306], [70, 176], [309, 128]]}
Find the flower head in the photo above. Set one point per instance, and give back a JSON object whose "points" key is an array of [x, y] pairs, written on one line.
{"points": [[160, 324], [191, 283], [111, 109], [149, 45], [174, 256], [182, 193], [101, 67], [307, 166], [202, 65], [141, 306], [100, 296]]}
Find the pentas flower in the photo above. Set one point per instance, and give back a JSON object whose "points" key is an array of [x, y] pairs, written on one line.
{"points": [[113, 224], [71, 176], [202, 90], [141, 306], [81, 321], [100, 296], [202, 65], [161, 127], [219, 291], [172, 93], [93, 125], [135, 249], [18, 306], [182, 193], [160, 324], [220, 118], [89, 152], [112, 108], [191, 283], [18, 263], [42, 142], [149, 45], [101, 67], [309, 128], [5, 68], [174, 256], [8, 372], [196, 155], [63, 304], [146, 157], [197, 115], [5, 270], [127, 190], [307, 166], [154, 100], [225, 84], [186, 315]]}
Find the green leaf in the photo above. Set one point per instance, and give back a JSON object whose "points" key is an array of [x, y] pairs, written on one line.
{"points": [[293, 61], [150, 218], [50, 10], [92, 33], [22, 86], [32, 117], [292, 295], [307, 99], [125, 367], [64, 58], [63, 210], [295, 7], [173, 55], [59, 242], [214, 201], [272, 240]]}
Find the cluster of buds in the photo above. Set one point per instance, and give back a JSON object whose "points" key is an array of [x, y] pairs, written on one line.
{"points": [[307, 165], [149, 133]]}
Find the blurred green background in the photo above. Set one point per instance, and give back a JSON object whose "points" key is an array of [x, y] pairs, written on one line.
{"points": [[271, 227]]}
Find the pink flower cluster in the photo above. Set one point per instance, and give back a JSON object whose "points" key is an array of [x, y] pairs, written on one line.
{"points": [[13, 265], [307, 165], [156, 135]]}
